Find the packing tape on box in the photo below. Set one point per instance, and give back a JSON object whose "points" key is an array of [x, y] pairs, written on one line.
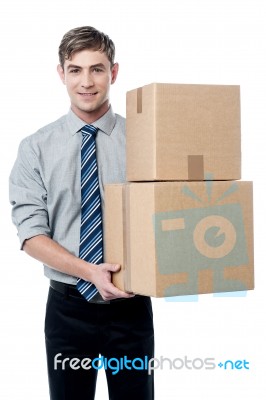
{"points": [[126, 237], [139, 100], [195, 167]]}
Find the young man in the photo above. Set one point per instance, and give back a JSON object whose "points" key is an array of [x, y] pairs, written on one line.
{"points": [[86, 314]]}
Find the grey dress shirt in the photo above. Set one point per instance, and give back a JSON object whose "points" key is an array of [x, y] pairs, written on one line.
{"points": [[45, 180]]}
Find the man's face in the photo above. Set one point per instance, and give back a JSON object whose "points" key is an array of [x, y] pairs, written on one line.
{"points": [[88, 76]]}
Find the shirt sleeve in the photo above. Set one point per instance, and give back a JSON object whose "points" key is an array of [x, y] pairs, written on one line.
{"points": [[28, 195]]}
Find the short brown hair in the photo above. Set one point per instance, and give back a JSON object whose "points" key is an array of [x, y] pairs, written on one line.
{"points": [[85, 37]]}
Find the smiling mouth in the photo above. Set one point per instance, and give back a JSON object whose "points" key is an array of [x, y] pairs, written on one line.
{"points": [[88, 94]]}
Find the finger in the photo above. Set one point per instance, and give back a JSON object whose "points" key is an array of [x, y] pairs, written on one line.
{"points": [[113, 267], [121, 293], [114, 293]]}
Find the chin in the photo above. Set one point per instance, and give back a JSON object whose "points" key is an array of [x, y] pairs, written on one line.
{"points": [[88, 109]]}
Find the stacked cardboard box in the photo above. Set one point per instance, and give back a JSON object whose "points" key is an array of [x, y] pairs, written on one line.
{"points": [[183, 222]]}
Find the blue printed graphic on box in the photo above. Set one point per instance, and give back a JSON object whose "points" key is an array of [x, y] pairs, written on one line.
{"points": [[201, 238]]}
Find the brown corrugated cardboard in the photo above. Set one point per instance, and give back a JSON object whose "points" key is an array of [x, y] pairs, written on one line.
{"points": [[183, 132], [180, 238]]}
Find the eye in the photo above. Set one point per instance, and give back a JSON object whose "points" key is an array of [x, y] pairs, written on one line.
{"points": [[74, 71], [97, 69]]}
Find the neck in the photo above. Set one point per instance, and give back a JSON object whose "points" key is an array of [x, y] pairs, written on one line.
{"points": [[91, 116]]}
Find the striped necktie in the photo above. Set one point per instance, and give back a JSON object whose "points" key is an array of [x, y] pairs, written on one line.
{"points": [[91, 233]]}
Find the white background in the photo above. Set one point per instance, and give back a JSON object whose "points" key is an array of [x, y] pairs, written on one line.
{"points": [[179, 41]]}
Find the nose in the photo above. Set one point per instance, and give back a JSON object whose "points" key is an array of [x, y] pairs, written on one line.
{"points": [[87, 80]]}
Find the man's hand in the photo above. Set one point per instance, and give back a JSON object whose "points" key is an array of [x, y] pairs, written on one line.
{"points": [[51, 253], [102, 279]]}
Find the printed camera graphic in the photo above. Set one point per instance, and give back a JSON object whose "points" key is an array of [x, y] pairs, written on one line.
{"points": [[197, 239]]}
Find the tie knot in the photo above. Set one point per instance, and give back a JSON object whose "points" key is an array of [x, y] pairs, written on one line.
{"points": [[92, 130]]}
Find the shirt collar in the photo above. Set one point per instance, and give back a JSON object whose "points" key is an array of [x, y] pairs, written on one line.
{"points": [[105, 124]]}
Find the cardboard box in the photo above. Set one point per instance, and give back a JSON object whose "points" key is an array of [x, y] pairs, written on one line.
{"points": [[183, 132], [180, 238]]}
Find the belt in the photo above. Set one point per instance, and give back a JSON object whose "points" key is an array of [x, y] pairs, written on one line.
{"points": [[71, 290]]}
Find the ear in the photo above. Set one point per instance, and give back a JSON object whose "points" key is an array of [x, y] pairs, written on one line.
{"points": [[114, 72], [61, 73]]}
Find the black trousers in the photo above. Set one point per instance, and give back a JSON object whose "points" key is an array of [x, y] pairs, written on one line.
{"points": [[119, 334]]}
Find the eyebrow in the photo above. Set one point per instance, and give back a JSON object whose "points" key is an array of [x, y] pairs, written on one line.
{"points": [[91, 66]]}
